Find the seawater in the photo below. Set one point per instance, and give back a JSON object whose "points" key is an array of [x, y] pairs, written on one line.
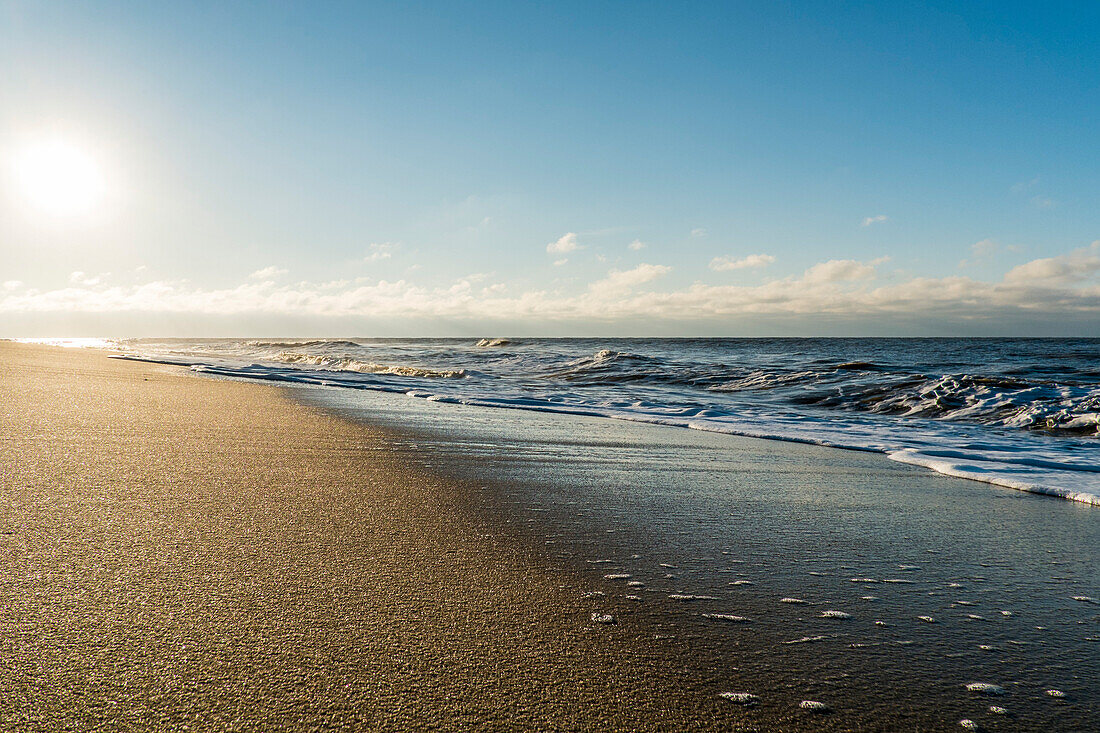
{"points": [[1019, 413]]}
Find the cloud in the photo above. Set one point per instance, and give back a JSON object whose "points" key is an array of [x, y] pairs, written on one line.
{"points": [[81, 278], [1043, 202], [834, 271], [12, 284], [380, 251], [869, 220], [562, 261], [699, 232], [1078, 265], [984, 248], [268, 273], [566, 243], [620, 281], [1025, 185], [1063, 289], [721, 264], [636, 245]]}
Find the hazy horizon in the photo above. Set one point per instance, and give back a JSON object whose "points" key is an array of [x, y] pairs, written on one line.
{"points": [[580, 169]]}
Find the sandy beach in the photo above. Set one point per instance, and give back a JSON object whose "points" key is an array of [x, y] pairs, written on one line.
{"points": [[185, 552]]}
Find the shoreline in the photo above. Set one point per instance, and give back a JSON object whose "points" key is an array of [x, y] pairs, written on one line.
{"points": [[385, 562], [201, 552]]}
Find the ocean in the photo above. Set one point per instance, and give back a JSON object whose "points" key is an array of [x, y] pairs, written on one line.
{"points": [[1018, 413]]}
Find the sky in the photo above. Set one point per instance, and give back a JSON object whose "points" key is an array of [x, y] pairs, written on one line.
{"points": [[557, 169]]}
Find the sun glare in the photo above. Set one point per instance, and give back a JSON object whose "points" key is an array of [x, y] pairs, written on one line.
{"points": [[58, 179]]}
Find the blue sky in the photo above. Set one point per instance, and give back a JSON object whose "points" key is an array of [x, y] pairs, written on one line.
{"points": [[404, 168]]}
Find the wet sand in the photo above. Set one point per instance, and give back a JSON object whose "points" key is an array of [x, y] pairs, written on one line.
{"points": [[180, 551]]}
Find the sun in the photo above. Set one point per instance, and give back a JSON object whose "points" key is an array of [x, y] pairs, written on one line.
{"points": [[58, 179]]}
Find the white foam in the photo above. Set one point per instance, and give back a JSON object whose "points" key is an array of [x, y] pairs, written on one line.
{"points": [[726, 617], [794, 600], [806, 640], [968, 724], [602, 618], [616, 576], [869, 598], [835, 614], [814, 705], [690, 597], [1085, 599], [635, 584], [998, 710], [1056, 693], [863, 580], [927, 619], [741, 582], [740, 698], [592, 593], [984, 688]]}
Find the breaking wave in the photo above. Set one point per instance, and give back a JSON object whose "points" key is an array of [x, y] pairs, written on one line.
{"points": [[1017, 413]]}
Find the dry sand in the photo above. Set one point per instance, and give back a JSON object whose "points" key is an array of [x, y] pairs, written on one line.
{"points": [[179, 551]]}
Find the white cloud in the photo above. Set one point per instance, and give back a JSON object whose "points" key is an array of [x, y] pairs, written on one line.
{"points": [[1063, 289], [380, 251], [1025, 185], [81, 278], [12, 284], [834, 271], [721, 264], [566, 243], [699, 232], [1078, 265], [869, 220], [620, 281], [268, 273], [984, 248], [562, 261], [636, 245]]}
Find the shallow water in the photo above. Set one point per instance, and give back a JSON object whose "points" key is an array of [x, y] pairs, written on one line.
{"points": [[800, 573], [1022, 413]]}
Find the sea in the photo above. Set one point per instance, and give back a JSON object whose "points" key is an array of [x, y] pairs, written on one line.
{"points": [[1019, 413]]}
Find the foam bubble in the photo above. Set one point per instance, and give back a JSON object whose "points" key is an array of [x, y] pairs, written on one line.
{"points": [[806, 640], [635, 584], [998, 710], [927, 619], [968, 724], [863, 580], [602, 618], [726, 617], [741, 582], [835, 614], [592, 593], [740, 698], [616, 576], [794, 600], [1055, 693], [1085, 599], [984, 688], [814, 705], [689, 597]]}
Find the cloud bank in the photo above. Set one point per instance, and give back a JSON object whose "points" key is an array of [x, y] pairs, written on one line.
{"points": [[1063, 289]]}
